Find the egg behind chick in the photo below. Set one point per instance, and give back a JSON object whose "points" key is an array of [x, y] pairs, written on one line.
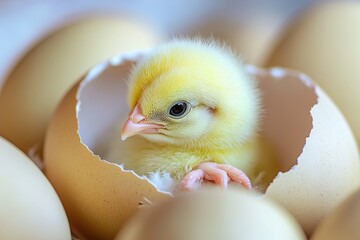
{"points": [[33, 89], [323, 42]]}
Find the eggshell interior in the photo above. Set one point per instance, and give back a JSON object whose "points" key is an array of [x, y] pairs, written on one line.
{"points": [[102, 95], [39, 81], [316, 150], [343, 223], [214, 214], [287, 101], [323, 42], [29, 205]]}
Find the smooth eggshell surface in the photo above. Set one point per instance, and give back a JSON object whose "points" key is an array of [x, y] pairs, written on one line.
{"points": [[29, 206], [343, 223], [214, 214], [38, 82], [324, 43]]}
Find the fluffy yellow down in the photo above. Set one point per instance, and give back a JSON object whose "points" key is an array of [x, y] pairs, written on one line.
{"points": [[221, 125]]}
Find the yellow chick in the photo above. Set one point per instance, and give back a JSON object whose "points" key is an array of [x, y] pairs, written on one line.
{"points": [[194, 114]]}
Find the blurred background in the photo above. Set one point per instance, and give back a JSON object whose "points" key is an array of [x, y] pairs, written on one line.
{"points": [[47, 45], [24, 22]]}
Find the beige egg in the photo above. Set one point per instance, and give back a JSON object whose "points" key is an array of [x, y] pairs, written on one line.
{"points": [[214, 214], [253, 39], [324, 43], [29, 206], [316, 150], [343, 223], [36, 85]]}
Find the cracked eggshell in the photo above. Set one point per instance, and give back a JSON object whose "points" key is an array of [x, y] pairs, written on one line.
{"points": [[38, 82], [29, 206], [316, 150], [97, 195], [214, 214], [342, 223], [323, 42]]}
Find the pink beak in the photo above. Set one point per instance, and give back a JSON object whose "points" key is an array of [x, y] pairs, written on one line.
{"points": [[136, 125]]}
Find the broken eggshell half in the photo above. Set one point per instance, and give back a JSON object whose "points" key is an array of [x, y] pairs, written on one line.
{"points": [[317, 153]]}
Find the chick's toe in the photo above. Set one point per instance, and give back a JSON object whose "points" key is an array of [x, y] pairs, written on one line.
{"points": [[219, 174]]}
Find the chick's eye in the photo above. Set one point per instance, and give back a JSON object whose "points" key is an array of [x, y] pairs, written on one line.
{"points": [[179, 109]]}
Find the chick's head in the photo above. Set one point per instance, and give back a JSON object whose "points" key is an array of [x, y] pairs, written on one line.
{"points": [[192, 94], [182, 107]]}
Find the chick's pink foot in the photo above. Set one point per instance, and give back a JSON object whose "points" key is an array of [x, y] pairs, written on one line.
{"points": [[220, 174]]}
